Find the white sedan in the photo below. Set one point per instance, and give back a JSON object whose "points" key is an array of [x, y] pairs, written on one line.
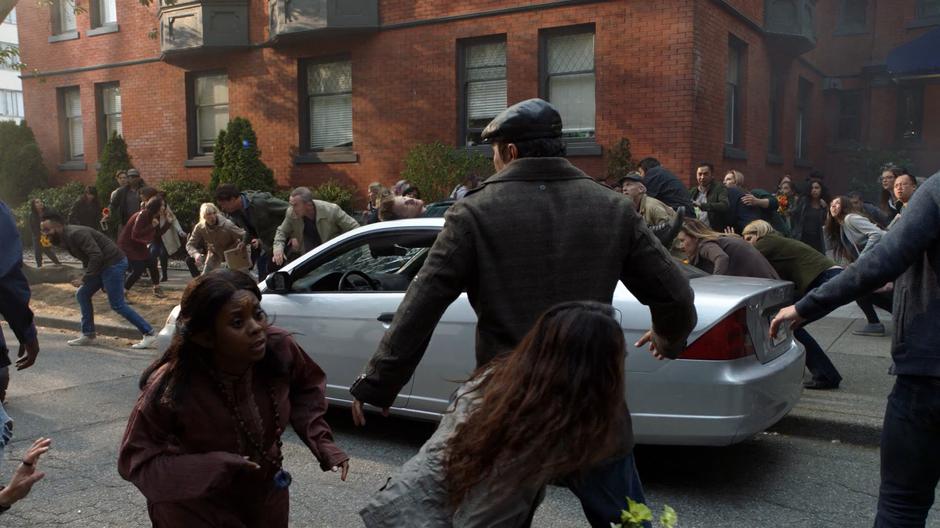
{"points": [[731, 382]]}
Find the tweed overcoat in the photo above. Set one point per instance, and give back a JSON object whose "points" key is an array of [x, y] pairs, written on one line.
{"points": [[537, 233]]}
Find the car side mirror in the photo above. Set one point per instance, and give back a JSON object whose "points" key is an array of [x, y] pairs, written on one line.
{"points": [[278, 282]]}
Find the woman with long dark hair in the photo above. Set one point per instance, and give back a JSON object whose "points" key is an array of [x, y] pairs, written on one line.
{"points": [[86, 210], [135, 240], [808, 218], [36, 210], [549, 410], [203, 443], [850, 234]]}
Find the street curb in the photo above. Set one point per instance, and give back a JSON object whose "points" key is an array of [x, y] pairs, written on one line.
{"points": [[100, 329], [802, 423]]}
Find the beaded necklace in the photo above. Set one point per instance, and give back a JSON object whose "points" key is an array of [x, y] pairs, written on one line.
{"points": [[282, 478]]}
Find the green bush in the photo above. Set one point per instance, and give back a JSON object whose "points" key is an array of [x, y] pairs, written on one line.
{"points": [[335, 192], [619, 160], [436, 169], [58, 199], [184, 199], [114, 158], [238, 160], [21, 166]]}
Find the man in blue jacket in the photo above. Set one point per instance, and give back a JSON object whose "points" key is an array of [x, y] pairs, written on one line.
{"points": [[14, 300], [908, 254]]}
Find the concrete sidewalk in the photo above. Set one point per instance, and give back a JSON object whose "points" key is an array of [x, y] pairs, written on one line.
{"points": [[853, 413]]}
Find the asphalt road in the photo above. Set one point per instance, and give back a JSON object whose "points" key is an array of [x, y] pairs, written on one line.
{"points": [[81, 398]]}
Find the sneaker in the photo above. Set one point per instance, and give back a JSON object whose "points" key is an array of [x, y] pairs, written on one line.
{"points": [[871, 329], [815, 384], [158, 292], [84, 340], [146, 342]]}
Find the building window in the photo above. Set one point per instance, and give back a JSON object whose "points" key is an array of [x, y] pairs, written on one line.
{"points": [[734, 92], [209, 110], [11, 18], [9, 56], [71, 111], [910, 112], [928, 8], [804, 95], [103, 13], [11, 104], [109, 107], [776, 105], [568, 78], [63, 15], [854, 16], [483, 74], [850, 116], [329, 105]]}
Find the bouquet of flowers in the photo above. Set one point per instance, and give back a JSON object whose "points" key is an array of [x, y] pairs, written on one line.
{"points": [[44, 241], [783, 204]]}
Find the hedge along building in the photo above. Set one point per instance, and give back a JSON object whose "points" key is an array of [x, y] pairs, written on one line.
{"points": [[342, 89]]}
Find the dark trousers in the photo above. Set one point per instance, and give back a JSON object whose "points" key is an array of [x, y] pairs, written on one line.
{"points": [[818, 363], [158, 253], [39, 251], [868, 303], [604, 489], [138, 267], [192, 267], [910, 460]]}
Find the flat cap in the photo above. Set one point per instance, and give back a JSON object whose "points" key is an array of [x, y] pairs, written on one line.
{"points": [[530, 119], [631, 176], [133, 172]]}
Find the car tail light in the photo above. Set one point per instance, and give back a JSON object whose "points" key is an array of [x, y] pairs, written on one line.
{"points": [[729, 339]]}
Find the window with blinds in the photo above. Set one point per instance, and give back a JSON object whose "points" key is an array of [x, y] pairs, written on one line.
{"points": [[74, 142], [9, 60], [484, 90], [329, 100], [11, 104], [66, 15], [105, 12], [110, 118], [570, 82], [734, 79], [210, 94]]}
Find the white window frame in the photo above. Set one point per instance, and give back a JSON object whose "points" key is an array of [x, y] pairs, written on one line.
{"points": [[340, 135], [111, 118], [72, 124], [105, 13], [66, 11], [573, 130], [484, 90], [205, 146], [11, 99]]}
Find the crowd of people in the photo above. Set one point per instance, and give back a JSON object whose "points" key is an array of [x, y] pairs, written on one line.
{"points": [[545, 403]]}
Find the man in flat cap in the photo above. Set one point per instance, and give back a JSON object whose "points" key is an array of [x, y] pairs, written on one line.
{"points": [[573, 240]]}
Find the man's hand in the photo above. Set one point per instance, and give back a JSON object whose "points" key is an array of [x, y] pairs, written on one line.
{"points": [[278, 257], [77, 282], [359, 415], [648, 338], [200, 260], [344, 465], [788, 314], [27, 354], [26, 474], [748, 199]]}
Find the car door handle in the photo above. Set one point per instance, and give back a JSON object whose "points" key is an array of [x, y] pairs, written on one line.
{"points": [[386, 317]]}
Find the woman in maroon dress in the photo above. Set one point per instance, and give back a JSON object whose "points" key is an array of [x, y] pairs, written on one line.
{"points": [[203, 443]]}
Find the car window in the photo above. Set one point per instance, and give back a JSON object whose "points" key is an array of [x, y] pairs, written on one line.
{"points": [[389, 260]]}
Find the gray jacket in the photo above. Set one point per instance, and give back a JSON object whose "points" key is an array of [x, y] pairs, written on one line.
{"points": [[861, 233], [416, 495], [908, 254]]}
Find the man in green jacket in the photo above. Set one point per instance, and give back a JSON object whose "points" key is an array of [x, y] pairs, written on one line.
{"points": [[309, 223], [710, 198], [259, 214]]}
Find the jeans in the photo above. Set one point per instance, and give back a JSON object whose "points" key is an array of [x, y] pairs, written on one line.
{"points": [[818, 363], [158, 253], [910, 460], [604, 489], [111, 280], [138, 267]]}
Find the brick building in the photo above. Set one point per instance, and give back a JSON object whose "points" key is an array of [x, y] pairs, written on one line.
{"points": [[343, 88]]}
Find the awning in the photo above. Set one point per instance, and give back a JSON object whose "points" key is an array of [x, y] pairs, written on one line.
{"points": [[920, 56]]}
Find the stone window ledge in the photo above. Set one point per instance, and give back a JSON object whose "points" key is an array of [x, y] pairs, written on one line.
{"points": [[103, 30], [70, 35], [334, 156]]}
